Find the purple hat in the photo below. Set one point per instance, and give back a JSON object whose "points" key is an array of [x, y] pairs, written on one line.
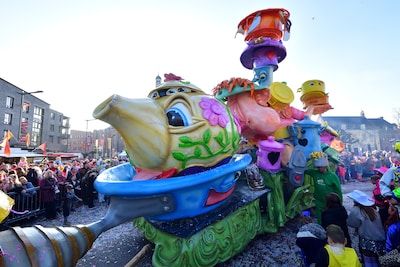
{"points": [[262, 53]]}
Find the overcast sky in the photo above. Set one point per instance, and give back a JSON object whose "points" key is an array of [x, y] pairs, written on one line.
{"points": [[80, 52]]}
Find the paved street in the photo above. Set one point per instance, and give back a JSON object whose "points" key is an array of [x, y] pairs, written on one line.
{"points": [[117, 246]]}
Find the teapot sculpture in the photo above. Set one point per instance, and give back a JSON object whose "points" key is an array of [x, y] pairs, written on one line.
{"points": [[186, 187]]}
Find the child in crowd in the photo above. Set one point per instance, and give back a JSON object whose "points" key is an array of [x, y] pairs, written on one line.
{"points": [[335, 252], [336, 214], [68, 202]]}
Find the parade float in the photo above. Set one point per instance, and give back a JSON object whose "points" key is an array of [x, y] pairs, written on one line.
{"points": [[207, 174]]}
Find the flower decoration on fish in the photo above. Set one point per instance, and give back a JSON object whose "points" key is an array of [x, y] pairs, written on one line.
{"points": [[214, 112]]}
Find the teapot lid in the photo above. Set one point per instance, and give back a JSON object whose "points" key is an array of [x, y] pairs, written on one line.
{"points": [[271, 145], [307, 122]]}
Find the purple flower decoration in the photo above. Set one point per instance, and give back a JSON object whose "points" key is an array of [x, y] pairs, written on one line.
{"points": [[214, 112]]}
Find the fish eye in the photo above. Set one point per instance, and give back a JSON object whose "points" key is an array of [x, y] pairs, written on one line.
{"points": [[179, 116], [311, 83], [171, 91], [155, 95], [320, 83], [263, 76], [183, 90]]}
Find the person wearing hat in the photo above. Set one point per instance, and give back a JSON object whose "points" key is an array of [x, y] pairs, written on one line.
{"points": [[325, 182], [364, 217], [311, 239], [335, 253], [390, 180]]}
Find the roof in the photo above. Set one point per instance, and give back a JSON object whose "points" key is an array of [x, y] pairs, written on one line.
{"points": [[354, 122], [18, 152]]}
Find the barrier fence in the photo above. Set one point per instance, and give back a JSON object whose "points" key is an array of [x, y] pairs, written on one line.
{"points": [[28, 204]]}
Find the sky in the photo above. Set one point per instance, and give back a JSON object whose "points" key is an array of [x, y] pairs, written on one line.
{"points": [[81, 52]]}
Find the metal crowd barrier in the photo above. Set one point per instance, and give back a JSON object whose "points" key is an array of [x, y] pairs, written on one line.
{"points": [[29, 202]]}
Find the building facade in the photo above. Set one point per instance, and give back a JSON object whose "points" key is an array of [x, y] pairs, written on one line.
{"points": [[367, 134], [29, 117], [105, 143]]}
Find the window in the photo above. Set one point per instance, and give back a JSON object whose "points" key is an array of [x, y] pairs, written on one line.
{"points": [[52, 127], [9, 102], [59, 140], [52, 115], [61, 117], [7, 118], [37, 123], [51, 138], [60, 129], [25, 107]]}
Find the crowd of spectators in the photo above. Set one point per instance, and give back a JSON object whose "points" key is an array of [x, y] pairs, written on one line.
{"points": [[361, 167], [58, 184], [374, 217]]}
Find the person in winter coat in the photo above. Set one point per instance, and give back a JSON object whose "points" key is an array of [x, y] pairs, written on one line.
{"points": [[364, 217], [335, 214], [48, 188], [393, 229]]}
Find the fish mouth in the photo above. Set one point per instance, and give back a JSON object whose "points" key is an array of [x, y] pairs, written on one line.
{"points": [[104, 107]]}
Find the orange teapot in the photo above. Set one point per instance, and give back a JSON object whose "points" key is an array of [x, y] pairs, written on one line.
{"points": [[268, 23]]}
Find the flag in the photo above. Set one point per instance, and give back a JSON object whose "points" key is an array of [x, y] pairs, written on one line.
{"points": [[7, 149], [6, 139], [43, 148], [28, 140], [9, 135], [6, 204]]}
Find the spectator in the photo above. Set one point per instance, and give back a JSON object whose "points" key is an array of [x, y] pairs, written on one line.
{"points": [[366, 220], [335, 253], [27, 188], [392, 225], [68, 200], [23, 163], [342, 173], [335, 214], [87, 185], [311, 239], [32, 176], [15, 184], [48, 189]]}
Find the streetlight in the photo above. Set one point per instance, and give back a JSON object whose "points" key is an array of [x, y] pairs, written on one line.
{"points": [[23, 93]]}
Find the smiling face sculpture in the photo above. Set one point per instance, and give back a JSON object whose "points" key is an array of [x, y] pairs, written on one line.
{"points": [[177, 128]]}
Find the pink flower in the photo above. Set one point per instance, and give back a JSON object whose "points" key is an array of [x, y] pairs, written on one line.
{"points": [[214, 112]]}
